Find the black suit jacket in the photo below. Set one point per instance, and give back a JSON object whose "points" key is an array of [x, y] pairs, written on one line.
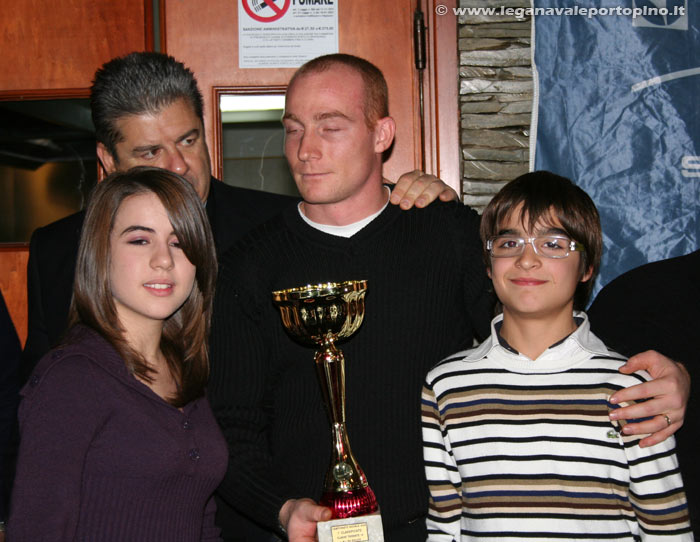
{"points": [[654, 307], [9, 398], [53, 251]]}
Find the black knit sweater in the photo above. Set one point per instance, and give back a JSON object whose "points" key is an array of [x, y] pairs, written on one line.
{"points": [[427, 298]]}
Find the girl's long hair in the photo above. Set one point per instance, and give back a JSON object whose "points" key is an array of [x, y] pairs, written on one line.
{"points": [[186, 332]]}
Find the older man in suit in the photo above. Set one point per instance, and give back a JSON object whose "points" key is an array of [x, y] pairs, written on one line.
{"points": [[9, 397]]}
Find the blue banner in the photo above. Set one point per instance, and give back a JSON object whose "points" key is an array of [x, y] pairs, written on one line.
{"points": [[618, 111]]}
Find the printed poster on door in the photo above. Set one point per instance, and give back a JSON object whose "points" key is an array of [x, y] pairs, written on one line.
{"points": [[285, 33]]}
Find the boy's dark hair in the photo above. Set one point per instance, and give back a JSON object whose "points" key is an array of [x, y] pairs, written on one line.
{"points": [[544, 195], [376, 104], [135, 84]]}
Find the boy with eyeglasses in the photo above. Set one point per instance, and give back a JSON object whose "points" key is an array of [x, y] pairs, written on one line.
{"points": [[517, 438]]}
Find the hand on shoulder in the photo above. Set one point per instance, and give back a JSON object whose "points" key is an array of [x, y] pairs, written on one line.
{"points": [[667, 395], [420, 189]]}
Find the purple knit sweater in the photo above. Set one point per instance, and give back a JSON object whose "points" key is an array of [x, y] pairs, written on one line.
{"points": [[103, 458]]}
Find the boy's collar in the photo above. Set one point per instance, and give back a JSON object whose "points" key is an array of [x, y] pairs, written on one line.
{"points": [[582, 340], [578, 320]]}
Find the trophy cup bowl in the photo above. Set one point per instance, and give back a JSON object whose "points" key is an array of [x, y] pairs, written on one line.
{"points": [[320, 315]]}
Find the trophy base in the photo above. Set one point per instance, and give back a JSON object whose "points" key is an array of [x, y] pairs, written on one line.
{"points": [[357, 529]]}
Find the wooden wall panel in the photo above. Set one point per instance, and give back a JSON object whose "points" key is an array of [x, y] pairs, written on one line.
{"points": [[59, 45], [13, 283], [205, 35]]}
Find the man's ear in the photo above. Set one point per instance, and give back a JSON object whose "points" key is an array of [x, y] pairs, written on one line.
{"points": [[106, 159], [587, 274], [384, 132]]}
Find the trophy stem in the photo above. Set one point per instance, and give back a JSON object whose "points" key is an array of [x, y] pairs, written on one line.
{"points": [[330, 365], [345, 490]]}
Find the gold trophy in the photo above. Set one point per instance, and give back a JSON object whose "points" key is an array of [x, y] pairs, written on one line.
{"points": [[320, 315]]}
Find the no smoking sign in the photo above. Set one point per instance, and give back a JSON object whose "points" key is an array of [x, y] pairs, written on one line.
{"points": [[285, 33], [266, 11]]}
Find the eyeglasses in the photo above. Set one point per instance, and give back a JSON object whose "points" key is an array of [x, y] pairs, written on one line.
{"points": [[549, 246]]}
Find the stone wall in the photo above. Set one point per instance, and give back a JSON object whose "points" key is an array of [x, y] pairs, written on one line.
{"points": [[496, 90]]}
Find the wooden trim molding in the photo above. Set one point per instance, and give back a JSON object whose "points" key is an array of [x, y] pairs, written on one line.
{"points": [[148, 34], [441, 84], [162, 26], [44, 94]]}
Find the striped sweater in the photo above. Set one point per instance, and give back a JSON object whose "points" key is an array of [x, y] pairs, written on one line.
{"points": [[517, 449]]}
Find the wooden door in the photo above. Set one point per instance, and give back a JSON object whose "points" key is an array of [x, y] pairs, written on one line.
{"points": [[205, 36], [13, 284], [48, 46]]}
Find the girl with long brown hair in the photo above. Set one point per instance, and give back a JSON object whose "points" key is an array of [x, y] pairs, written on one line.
{"points": [[117, 439]]}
